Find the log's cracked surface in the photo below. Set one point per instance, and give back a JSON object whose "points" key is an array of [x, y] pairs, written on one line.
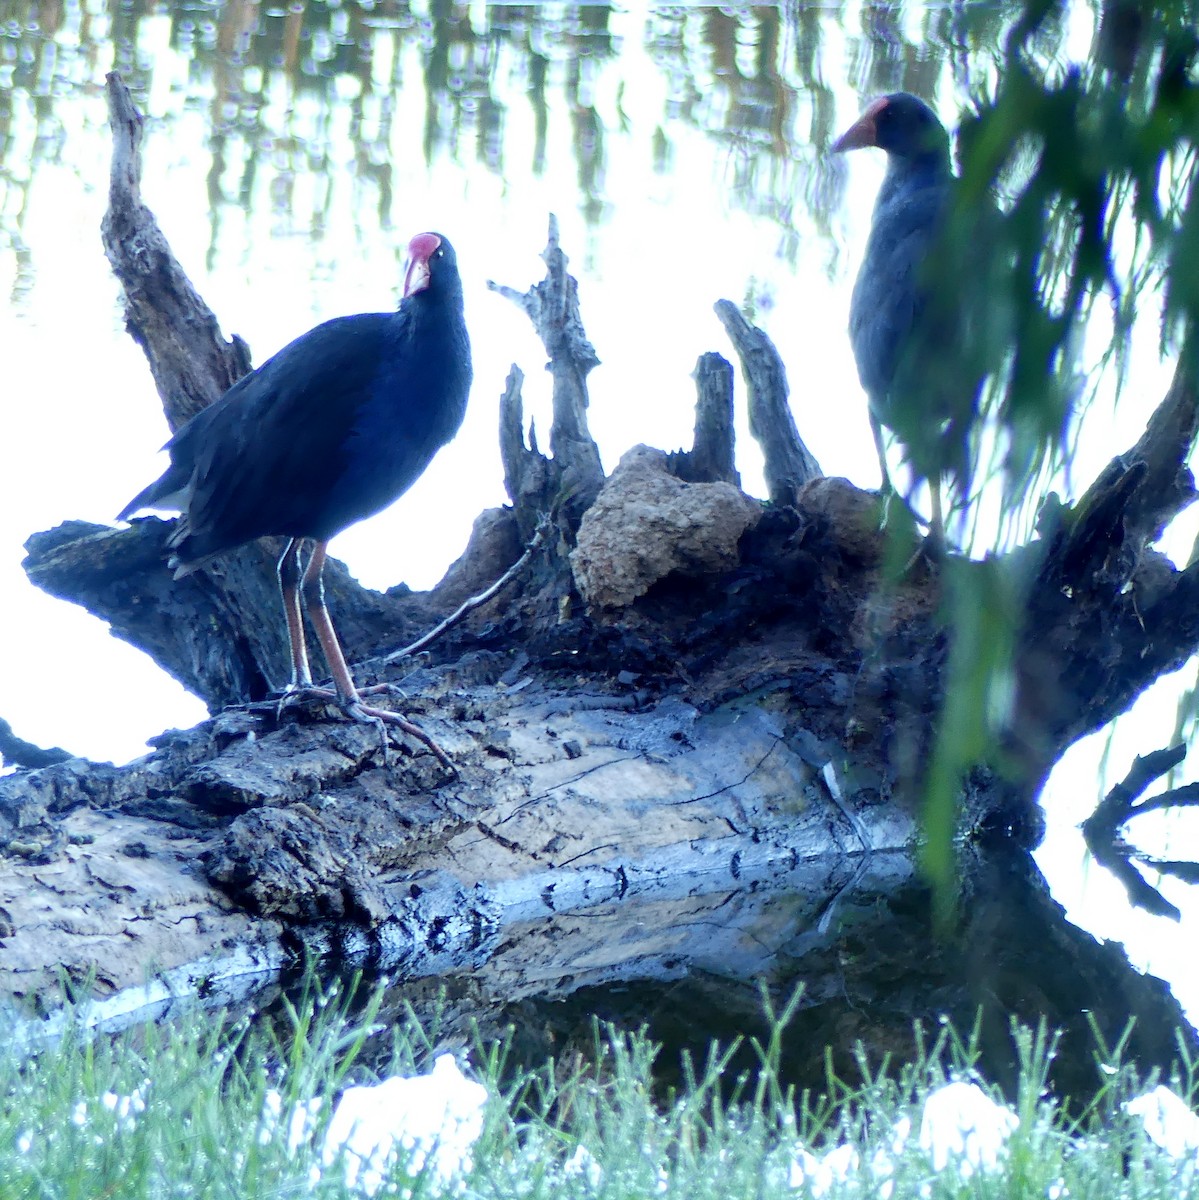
{"points": [[555, 805]]}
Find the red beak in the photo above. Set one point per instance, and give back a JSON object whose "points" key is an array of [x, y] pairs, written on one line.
{"points": [[863, 132], [420, 250]]}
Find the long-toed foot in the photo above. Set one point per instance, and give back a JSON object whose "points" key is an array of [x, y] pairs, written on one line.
{"points": [[356, 711], [382, 717]]}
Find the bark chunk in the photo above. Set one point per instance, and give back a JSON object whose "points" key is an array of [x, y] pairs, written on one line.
{"points": [[645, 525]]}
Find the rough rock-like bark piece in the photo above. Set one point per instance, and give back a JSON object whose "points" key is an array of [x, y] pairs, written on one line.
{"points": [[646, 525], [854, 517]]}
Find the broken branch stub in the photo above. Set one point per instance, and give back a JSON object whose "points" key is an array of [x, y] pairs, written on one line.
{"points": [[1100, 583], [190, 360], [789, 463], [553, 306], [711, 458], [528, 474], [1164, 448]]}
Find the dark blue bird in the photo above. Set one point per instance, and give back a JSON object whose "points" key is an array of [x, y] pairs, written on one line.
{"points": [[906, 339], [330, 430]]}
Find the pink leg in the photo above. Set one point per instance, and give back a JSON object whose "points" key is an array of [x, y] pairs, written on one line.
{"points": [[313, 586], [289, 588]]}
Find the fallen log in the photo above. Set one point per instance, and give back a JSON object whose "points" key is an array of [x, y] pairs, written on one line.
{"points": [[685, 697]]}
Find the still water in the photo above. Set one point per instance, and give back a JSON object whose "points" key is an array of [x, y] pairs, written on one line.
{"points": [[292, 150]]}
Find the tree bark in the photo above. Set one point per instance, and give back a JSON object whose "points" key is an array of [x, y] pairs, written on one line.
{"points": [[737, 726]]}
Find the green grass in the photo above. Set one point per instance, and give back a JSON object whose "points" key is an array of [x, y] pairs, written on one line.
{"points": [[593, 1127]]}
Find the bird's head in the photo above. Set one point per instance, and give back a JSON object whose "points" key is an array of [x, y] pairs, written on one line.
{"points": [[429, 255], [902, 125]]}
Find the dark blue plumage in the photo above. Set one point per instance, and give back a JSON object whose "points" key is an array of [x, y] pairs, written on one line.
{"points": [[328, 431], [905, 342]]}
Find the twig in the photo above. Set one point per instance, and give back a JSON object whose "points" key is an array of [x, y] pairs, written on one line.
{"points": [[829, 774], [477, 601]]}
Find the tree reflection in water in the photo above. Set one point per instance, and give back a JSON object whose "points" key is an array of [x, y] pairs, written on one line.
{"points": [[314, 89]]}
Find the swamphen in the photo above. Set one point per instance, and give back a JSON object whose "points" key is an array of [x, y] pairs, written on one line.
{"points": [[905, 342], [330, 430]]}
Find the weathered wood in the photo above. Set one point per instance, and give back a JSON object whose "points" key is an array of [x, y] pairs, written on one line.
{"points": [[712, 457], [190, 359], [1107, 614], [528, 474], [17, 752], [575, 473], [304, 822], [707, 846], [789, 463], [220, 631]]}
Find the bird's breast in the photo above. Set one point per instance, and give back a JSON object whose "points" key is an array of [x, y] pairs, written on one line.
{"points": [[414, 406]]}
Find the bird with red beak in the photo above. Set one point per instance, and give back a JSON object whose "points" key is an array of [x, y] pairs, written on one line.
{"points": [[904, 339], [329, 431]]}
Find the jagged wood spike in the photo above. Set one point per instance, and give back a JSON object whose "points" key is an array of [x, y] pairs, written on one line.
{"points": [[553, 307], [789, 464]]}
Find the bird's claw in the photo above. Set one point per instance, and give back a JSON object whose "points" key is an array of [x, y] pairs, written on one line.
{"points": [[353, 708], [382, 717], [384, 689], [360, 712]]}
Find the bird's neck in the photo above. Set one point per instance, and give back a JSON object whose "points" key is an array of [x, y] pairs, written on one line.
{"points": [[428, 309], [910, 173]]}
